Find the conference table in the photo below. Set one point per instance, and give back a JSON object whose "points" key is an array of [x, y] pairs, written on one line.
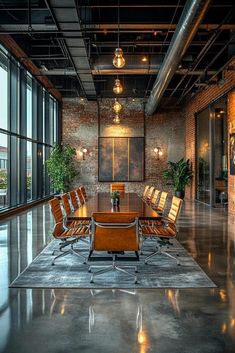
{"points": [[101, 202]]}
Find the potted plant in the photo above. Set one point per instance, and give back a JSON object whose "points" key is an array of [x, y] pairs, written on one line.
{"points": [[3, 179], [61, 168], [115, 198], [178, 174]]}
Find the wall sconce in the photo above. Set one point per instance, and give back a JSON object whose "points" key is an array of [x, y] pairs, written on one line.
{"points": [[158, 152], [82, 153]]}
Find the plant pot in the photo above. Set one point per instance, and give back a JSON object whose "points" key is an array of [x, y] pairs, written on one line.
{"points": [[180, 194], [115, 202]]}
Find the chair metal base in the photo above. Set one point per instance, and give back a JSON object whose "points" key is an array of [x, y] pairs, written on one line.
{"points": [[113, 267], [160, 251], [68, 252]]}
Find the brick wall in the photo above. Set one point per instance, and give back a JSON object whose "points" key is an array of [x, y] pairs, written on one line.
{"points": [[82, 125], [199, 102]]}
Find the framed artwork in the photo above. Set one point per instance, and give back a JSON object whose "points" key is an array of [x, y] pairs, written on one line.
{"points": [[232, 153], [121, 159]]}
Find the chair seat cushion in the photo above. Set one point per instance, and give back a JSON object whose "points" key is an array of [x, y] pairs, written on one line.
{"points": [[78, 223], [60, 231], [168, 231]]}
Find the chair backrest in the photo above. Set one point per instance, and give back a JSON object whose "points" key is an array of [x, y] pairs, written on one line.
{"points": [[66, 204], [80, 196], [155, 197], [74, 200], [162, 201], [150, 192], [174, 212], [115, 231], [117, 187], [56, 211], [84, 194], [145, 191]]}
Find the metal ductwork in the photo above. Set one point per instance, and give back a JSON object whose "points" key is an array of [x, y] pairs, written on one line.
{"points": [[192, 15]]}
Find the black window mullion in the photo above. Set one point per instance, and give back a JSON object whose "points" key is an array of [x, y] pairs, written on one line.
{"points": [[23, 102]]}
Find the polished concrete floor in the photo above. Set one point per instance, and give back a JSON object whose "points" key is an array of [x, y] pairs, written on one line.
{"points": [[158, 321]]}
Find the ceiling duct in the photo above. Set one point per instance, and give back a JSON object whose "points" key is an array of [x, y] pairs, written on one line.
{"points": [[192, 15]]}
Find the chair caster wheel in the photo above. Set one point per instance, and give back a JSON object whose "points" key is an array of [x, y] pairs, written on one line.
{"points": [[136, 271], [84, 263], [91, 281], [177, 255], [178, 264], [89, 271], [136, 282], [52, 264], [146, 263]]}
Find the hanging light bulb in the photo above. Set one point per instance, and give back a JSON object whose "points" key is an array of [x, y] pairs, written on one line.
{"points": [[117, 89], [116, 119], [118, 60], [117, 107]]}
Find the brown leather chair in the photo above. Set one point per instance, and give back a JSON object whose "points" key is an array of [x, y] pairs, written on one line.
{"points": [[84, 194], [117, 187], [68, 210], [160, 208], [164, 230], [74, 199], [66, 232], [115, 232], [80, 196], [154, 198], [150, 193], [145, 193]]}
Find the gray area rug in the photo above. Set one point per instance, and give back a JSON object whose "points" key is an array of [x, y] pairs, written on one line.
{"points": [[70, 272]]}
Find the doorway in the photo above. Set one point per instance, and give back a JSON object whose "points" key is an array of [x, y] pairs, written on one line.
{"points": [[212, 154]]}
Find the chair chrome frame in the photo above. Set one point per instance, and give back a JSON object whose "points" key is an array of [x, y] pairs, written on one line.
{"points": [[113, 266], [161, 242]]}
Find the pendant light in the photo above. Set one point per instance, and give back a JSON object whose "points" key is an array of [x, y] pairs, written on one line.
{"points": [[117, 88], [117, 107], [118, 60], [116, 119]]}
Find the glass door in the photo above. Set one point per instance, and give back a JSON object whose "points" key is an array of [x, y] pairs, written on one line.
{"points": [[220, 153], [203, 148], [212, 154]]}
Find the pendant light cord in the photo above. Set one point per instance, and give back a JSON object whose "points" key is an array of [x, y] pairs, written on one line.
{"points": [[118, 21]]}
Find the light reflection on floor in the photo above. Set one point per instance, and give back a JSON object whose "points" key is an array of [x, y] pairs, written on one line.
{"points": [[192, 320]]}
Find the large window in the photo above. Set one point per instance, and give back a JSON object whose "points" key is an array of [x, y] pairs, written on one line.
{"points": [[28, 131], [3, 171], [3, 92]]}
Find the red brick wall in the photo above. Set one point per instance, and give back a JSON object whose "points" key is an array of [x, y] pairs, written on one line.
{"points": [[199, 102], [80, 129]]}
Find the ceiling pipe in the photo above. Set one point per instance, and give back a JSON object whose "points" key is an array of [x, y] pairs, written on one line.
{"points": [[192, 15]]}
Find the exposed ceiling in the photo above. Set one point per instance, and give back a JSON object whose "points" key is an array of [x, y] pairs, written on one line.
{"points": [[73, 41]]}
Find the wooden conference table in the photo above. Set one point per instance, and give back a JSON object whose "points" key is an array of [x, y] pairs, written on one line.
{"points": [[101, 202]]}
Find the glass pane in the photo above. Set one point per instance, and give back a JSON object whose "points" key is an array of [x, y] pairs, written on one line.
{"points": [[29, 170], [51, 121], [55, 122], [4, 96], [29, 107], [203, 156], [3, 171]]}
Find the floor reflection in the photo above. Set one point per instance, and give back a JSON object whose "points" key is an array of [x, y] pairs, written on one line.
{"points": [[120, 320]]}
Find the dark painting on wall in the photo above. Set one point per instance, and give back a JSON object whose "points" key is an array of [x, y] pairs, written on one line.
{"points": [[121, 159], [232, 153]]}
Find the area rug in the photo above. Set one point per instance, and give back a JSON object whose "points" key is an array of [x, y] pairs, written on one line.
{"points": [[70, 272]]}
